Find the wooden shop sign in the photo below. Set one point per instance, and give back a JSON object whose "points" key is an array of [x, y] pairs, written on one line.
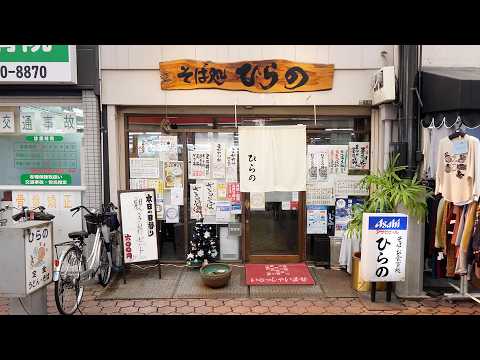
{"points": [[265, 76]]}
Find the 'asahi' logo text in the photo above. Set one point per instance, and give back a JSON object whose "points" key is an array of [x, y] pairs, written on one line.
{"points": [[382, 224], [387, 223]]}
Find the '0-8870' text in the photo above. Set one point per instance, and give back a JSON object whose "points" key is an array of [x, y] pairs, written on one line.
{"points": [[24, 72]]}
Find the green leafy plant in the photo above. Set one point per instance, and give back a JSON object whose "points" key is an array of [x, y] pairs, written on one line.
{"points": [[387, 191]]}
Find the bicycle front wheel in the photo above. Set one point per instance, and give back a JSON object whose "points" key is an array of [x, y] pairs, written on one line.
{"points": [[69, 288], [105, 267]]}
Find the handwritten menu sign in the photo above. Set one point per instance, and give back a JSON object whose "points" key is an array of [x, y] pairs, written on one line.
{"points": [[358, 155], [384, 246], [39, 257], [265, 76], [317, 163], [196, 201], [210, 197], [218, 161], [139, 225], [199, 164], [232, 164], [338, 159]]}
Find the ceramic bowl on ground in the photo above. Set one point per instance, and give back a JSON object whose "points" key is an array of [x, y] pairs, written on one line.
{"points": [[215, 275]]}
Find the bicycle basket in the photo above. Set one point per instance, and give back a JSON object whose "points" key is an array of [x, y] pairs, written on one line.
{"points": [[111, 220], [91, 221]]}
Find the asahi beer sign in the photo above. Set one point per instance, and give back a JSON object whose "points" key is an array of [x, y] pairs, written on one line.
{"points": [[384, 247], [38, 64], [139, 229]]}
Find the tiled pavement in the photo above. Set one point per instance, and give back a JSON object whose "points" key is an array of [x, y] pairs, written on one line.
{"points": [[249, 306]]}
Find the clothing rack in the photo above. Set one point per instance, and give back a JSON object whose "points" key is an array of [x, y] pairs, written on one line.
{"points": [[462, 293]]}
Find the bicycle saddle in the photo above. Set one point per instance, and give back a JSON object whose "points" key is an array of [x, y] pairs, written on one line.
{"points": [[78, 235]]}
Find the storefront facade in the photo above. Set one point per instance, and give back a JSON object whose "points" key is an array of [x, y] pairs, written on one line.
{"points": [[176, 127], [50, 138]]}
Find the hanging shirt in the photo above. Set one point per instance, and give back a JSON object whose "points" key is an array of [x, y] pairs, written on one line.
{"points": [[455, 178]]}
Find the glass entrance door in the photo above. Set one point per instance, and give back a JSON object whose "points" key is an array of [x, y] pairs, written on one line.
{"points": [[273, 224]]}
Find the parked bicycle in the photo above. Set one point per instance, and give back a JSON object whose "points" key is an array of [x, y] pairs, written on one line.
{"points": [[72, 268]]}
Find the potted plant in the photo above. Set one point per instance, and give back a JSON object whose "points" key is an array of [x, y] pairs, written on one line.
{"points": [[387, 191]]}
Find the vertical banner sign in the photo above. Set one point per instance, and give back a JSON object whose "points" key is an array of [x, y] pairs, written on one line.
{"points": [[38, 64], [384, 246], [39, 257], [338, 159], [196, 201], [358, 155], [232, 164], [199, 164], [210, 197], [139, 225], [218, 161]]}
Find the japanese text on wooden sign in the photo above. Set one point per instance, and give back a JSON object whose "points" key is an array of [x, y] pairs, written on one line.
{"points": [[254, 76]]}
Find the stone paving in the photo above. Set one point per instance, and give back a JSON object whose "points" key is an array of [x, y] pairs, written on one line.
{"points": [[250, 306]]}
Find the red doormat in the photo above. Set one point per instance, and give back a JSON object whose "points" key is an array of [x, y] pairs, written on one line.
{"points": [[278, 274]]}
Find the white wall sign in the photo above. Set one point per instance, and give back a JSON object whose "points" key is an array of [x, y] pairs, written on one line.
{"points": [[384, 246], [7, 122], [39, 257], [144, 168], [38, 64], [57, 203], [139, 225]]}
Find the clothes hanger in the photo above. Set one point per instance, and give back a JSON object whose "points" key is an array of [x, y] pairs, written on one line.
{"points": [[458, 132]]}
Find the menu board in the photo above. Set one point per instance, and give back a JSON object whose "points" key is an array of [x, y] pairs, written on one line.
{"points": [[139, 225]]}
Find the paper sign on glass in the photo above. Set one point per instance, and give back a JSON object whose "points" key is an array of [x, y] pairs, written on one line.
{"points": [[147, 168], [257, 201], [196, 201], [171, 214], [218, 161], [176, 196]]}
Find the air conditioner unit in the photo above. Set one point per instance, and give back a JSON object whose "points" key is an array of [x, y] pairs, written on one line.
{"points": [[383, 85]]}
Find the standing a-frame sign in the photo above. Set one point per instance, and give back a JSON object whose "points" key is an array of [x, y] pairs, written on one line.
{"points": [[139, 227]]}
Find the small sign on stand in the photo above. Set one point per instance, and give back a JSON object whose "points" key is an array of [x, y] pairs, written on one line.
{"points": [[139, 227], [383, 249]]}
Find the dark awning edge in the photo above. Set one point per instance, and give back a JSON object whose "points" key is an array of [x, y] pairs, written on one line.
{"points": [[467, 118]]}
